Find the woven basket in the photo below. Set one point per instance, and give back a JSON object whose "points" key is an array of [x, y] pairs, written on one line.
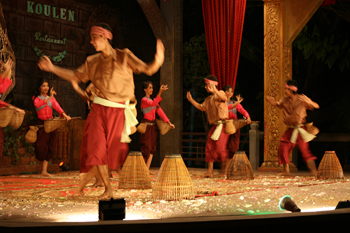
{"points": [[31, 135], [240, 167], [173, 181], [311, 128], [330, 167], [53, 124], [134, 174], [141, 128], [5, 116], [239, 123], [230, 127], [163, 127], [17, 120]]}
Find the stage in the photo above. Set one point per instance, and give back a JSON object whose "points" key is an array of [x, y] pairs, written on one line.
{"points": [[49, 204]]}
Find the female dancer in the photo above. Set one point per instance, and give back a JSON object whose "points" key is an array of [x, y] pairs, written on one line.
{"points": [[149, 108], [233, 107], [45, 145]]}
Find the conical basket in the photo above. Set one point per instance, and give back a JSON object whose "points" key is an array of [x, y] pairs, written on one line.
{"points": [[163, 127], [240, 167], [53, 124], [17, 120], [134, 174], [5, 116], [31, 135], [330, 167], [173, 181]]}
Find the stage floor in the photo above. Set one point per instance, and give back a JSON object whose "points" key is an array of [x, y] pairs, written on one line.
{"points": [[33, 198]]}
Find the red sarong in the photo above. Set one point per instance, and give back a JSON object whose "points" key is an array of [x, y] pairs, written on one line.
{"points": [[102, 133], [233, 143], [148, 140], [286, 147], [83, 150], [45, 146], [216, 151]]}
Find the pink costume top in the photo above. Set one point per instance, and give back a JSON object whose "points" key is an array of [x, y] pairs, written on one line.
{"points": [[4, 84], [149, 108], [232, 112], [44, 110], [2, 104]]}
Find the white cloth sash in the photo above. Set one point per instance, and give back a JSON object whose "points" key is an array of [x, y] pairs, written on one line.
{"points": [[130, 119], [217, 132], [306, 136]]}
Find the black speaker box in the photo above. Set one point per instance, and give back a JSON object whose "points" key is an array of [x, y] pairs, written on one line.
{"points": [[343, 204], [113, 209]]}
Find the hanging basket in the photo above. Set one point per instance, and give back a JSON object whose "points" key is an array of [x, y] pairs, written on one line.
{"points": [[163, 127], [135, 174], [31, 135], [173, 181], [17, 120], [53, 124], [141, 128], [330, 167], [240, 167], [230, 128], [311, 128], [5, 116]]}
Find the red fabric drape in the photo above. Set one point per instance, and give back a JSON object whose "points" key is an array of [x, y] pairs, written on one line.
{"points": [[223, 22], [330, 2]]}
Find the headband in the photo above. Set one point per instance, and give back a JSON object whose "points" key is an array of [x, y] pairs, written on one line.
{"points": [[210, 81], [101, 31], [292, 88]]}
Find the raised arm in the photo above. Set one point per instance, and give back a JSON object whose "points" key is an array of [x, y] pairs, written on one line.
{"points": [[66, 74], [193, 102], [271, 100], [308, 102], [151, 68]]}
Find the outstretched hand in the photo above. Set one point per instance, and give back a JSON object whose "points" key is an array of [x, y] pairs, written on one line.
{"points": [[159, 56], [239, 98], [45, 64], [52, 92], [189, 96], [211, 87], [163, 88]]}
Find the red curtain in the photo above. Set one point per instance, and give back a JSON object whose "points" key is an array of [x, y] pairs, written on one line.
{"points": [[223, 22], [330, 2]]}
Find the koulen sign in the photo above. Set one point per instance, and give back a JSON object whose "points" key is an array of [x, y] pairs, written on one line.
{"points": [[47, 10]]}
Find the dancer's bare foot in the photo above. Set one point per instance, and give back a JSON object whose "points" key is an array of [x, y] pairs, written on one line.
{"points": [[284, 174], [80, 193], [108, 194], [208, 175], [98, 184], [46, 174]]}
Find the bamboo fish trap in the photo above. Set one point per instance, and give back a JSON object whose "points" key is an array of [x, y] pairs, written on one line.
{"points": [[134, 174], [330, 167], [31, 135], [240, 167], [173, 181]]}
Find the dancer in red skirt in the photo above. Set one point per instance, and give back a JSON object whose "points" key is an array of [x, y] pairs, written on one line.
{"points": [[294, 108], [216, 108], [149, 108], [233, 108], [111, 72], [45, 146]]}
